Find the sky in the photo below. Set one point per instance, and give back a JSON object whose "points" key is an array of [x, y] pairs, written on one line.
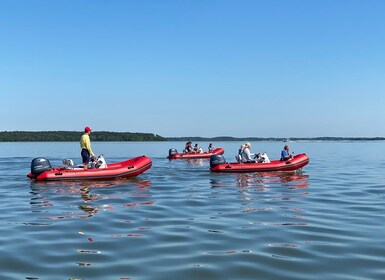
{"points": [[241, 68]]}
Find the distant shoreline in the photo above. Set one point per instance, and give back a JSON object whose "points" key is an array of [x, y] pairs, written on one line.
{"points": [[72, 136], [108, 136], [291, 139]]}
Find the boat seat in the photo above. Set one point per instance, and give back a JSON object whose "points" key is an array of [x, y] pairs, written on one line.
{"points": [[68, 163]]}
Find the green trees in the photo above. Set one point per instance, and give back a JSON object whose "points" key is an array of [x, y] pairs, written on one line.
{"points": [[72, 136], [108, 136]]}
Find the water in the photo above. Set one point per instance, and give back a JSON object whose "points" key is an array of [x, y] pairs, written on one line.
{"points": [[180, 221]]}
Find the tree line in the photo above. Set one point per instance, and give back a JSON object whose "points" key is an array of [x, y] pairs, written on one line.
{"points": [[108, 136], [72, 136]]}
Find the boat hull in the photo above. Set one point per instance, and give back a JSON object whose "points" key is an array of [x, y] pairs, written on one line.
{"points": [[119, 170], [297, 162], [217, 151]]}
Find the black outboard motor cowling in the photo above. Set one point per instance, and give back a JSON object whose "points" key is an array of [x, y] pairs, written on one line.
{"points": [[216, 160], [172, 152], [40, 165]]}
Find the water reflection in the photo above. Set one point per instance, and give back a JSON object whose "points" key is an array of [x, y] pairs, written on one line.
{"points": [[87, 197], [70, 187], [48, 194], [263, 180], [197, 161]]}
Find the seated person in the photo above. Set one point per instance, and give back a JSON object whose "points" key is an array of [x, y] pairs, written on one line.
{"points": [[197, 149], [239, 156], [211, 148], [188, 147], [262, 158], [285, 154], [246, 154]]}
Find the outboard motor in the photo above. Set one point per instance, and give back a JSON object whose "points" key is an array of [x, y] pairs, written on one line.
{"points": [[216, 160], [172, 152], [40, 165]]}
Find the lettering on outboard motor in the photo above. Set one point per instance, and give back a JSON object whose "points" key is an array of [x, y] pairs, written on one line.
{"points": [[40, 165], [216, 160]]}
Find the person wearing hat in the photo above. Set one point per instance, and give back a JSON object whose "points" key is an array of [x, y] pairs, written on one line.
{"points": [[85, 145], [246, 154]]}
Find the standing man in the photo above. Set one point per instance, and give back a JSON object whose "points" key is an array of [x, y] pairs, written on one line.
{"points": [[85, 145]]}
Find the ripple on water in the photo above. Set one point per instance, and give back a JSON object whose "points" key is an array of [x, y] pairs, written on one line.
{"points": [[178, 220]]}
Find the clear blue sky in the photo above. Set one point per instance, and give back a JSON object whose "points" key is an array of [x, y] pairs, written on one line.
{"points": [[239, 68]]}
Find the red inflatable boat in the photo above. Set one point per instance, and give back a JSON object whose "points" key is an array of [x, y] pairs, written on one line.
{"points": [[218, 164], [41, 170], [173, 154]]}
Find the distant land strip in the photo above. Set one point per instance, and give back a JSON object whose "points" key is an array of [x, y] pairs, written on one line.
{"points": [[72, 136], [108, 136]]}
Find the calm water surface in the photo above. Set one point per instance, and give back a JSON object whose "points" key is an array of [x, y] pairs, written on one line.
{"points": [[180, 221]]}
